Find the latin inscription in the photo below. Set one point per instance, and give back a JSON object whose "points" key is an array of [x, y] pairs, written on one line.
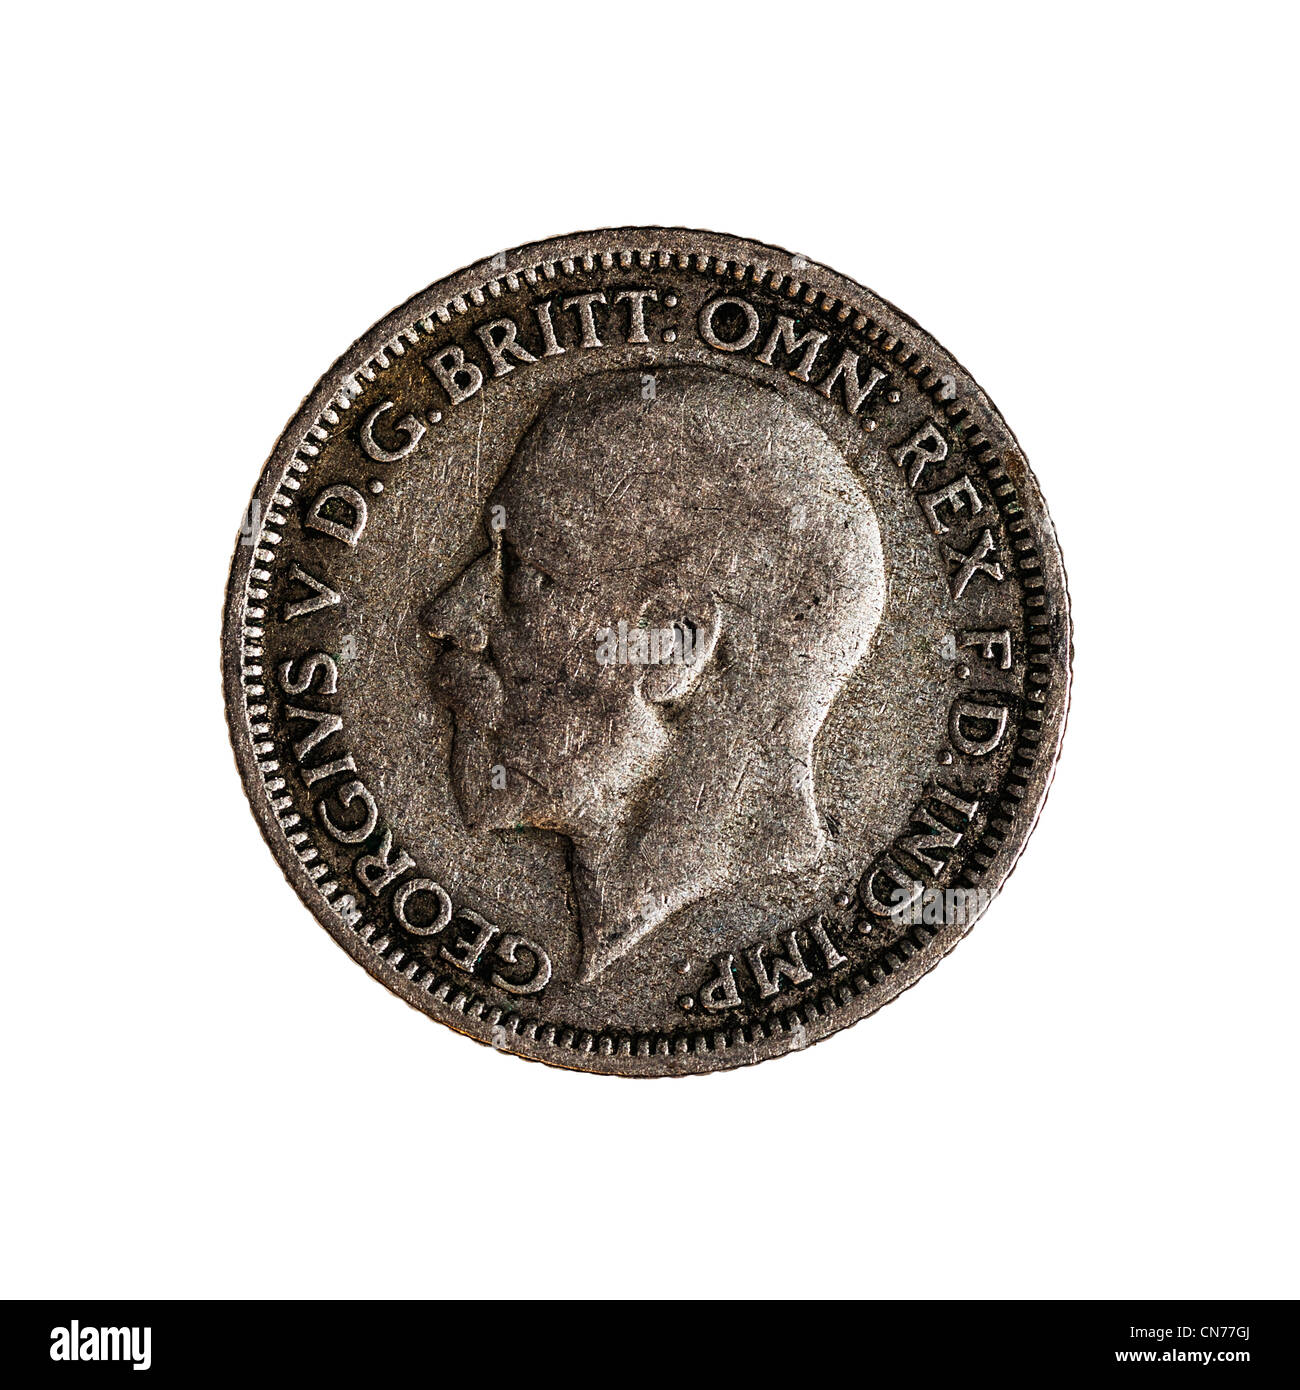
{"points": [[349, 814]]}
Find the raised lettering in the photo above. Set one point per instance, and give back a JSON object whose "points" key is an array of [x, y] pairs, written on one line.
{"points": [[750, 332], [351, 498], [322, 595], [318, 774], [868, 897], [498, 349], [636, 312], [508, 951], [973, 562], [986, 641], [783, 335], [442, 912], [939, 836], [830, 953], [959, 495], [449, 366], [326, 724], [854, 390], [351, 835], [309, 666], [971, 743], [926, 446], [721, 991], [551, 342], [412, 427], [586, 316], [376, 871], [465, 951], [789, 967]]}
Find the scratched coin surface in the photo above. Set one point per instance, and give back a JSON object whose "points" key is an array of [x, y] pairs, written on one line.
{"points": [[647, 651]]}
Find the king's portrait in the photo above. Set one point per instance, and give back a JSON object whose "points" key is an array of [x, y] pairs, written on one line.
{"points": [[702, 510]]}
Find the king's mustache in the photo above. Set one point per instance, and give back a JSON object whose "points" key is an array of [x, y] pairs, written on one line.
{"points": [[467, 682]]}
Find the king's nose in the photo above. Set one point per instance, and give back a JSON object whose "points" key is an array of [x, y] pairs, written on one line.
{"points": [[463, 613]]}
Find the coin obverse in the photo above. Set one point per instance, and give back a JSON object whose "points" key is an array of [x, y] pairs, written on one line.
{"points": [[646, 651]]}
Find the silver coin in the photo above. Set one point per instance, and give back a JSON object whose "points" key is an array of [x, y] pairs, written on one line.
{"points": [[646, 651]]}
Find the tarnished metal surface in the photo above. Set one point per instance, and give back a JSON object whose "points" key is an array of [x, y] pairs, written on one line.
{"points": [[647, 651]]}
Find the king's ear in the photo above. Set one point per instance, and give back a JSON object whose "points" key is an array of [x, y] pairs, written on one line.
{"points": [[686, 642]]}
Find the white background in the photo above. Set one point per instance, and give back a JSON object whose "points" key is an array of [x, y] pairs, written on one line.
{"points": [[1094, 1096]]}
